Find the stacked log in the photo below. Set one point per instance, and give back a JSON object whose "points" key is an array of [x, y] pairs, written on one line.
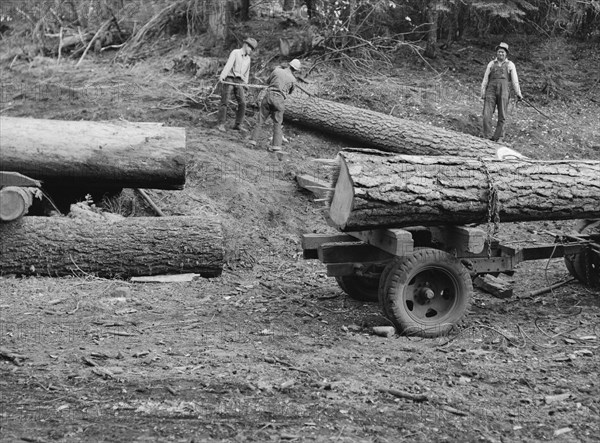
{"points": [[94, 154], [376, 190], [134, 246]]}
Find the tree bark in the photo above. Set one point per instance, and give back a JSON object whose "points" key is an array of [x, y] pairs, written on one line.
{"points": [[245, 10], [76, 153], [432, 18], [218, 20], [60, 246], [380, 190], [291, 47], [382, 131]]}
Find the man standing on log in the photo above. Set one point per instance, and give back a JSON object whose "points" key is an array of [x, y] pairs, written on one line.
{"points": [[280, 85], [235, 77], [495, 91]]}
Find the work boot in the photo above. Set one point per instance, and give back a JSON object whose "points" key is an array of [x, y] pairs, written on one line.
{"points": [[221, 128], [240, 128]]}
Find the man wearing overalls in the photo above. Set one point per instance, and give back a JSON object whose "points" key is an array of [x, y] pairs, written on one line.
{"points": [[495, 91]]}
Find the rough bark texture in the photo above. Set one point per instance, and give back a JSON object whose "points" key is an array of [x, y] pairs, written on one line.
{"points": [[73, 153], [382, 131], [290, 47], [59, 246], [218, 19], [377, 190], [432, 18]]}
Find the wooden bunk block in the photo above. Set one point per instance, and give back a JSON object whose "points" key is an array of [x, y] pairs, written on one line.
{"points": [[311, 243], [351, 252], [464, 239], [393, 241]]}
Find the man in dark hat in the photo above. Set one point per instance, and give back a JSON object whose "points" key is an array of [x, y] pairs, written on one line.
{"points": [[495, 91], [281, 84], [234, 77]]}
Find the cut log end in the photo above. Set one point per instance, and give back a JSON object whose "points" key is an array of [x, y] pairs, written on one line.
{"points": [[342, 199]]}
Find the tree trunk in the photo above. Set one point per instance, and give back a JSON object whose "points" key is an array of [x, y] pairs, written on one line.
{"points": [[432, 18], [98, 154], [379, 190], [382, 131], [218, 20], [245, 12], [59, 246]]}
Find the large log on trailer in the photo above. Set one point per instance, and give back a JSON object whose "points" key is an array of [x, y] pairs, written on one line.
{"points": [[134, 246], [97, 154], [376, 190], [381, 131]]}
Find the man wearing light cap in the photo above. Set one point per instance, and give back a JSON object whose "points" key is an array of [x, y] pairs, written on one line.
{"points": [[236, 70], [281, 83], [495, 91]]}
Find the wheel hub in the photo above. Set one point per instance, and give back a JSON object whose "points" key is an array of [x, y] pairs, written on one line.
{"points": [[424, 295]]}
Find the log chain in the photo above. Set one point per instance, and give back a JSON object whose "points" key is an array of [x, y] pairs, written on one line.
{"points": [[493, 208]]}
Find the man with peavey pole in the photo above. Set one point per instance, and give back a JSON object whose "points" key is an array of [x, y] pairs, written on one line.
{"points": [[281, 83], [235, 77]]}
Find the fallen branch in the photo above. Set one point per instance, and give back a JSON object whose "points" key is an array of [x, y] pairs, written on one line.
{"points": [[102, 28], [548, 288], [418, 398], [9, 355], [148, 200]]}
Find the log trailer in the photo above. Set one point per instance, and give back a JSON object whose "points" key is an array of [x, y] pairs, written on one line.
{"points": [[421, 276]]}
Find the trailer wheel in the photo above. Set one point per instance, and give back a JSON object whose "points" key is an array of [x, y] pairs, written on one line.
{"points": [[359, 288], [383, 282], [427, 293], [584, 265]]}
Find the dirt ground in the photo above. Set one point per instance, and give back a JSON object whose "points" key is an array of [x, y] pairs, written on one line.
{"points": [[273, 350]]}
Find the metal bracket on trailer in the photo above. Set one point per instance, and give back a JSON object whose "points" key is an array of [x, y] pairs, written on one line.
{"points": [[16, 179]]}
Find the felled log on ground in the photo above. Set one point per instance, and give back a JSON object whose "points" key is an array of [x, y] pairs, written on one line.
{"points": [[95, 154], [376, 130], [134, 246], [299, 44], [377, 189]]}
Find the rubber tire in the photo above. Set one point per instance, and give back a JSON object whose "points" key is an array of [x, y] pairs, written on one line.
{"points": [[581, 265], [383, 284], [405, 271], [359, 288]]}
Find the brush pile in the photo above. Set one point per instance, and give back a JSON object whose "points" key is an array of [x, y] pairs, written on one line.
{"points": [[72, 29]]}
